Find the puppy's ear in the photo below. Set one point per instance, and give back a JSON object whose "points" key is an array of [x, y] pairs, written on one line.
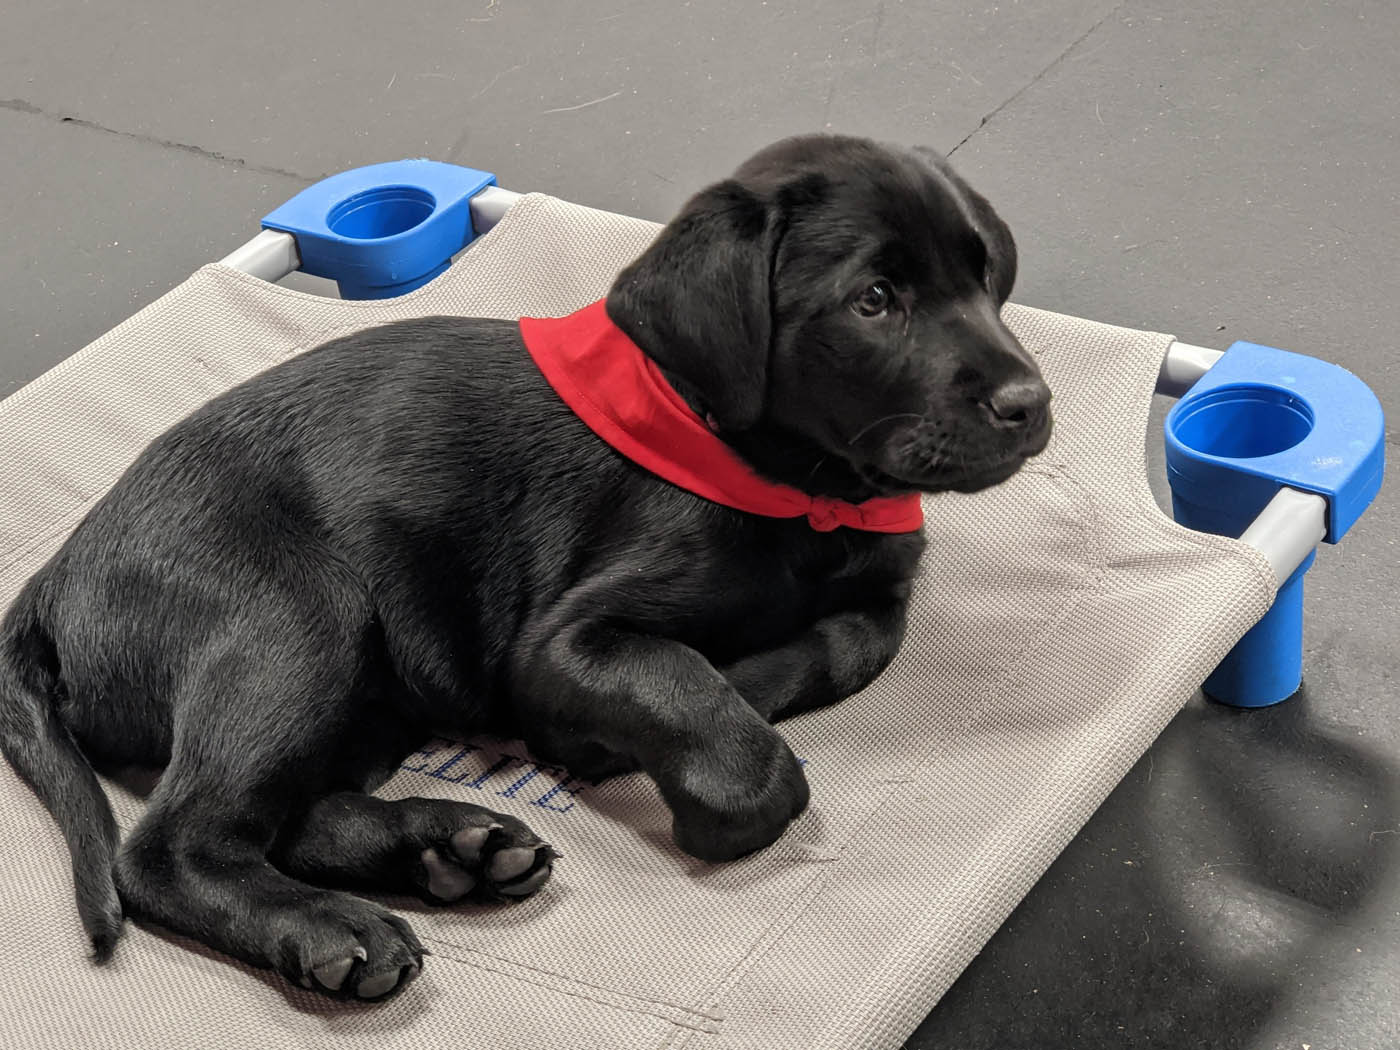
{"points": [[996, 235], [1001, 246], [698, 301]]}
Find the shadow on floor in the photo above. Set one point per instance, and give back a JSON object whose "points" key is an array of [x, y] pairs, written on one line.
{"points": [[1191, 906]]}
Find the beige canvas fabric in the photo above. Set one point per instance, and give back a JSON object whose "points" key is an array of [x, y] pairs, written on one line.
{"points": [[1059, 623]]}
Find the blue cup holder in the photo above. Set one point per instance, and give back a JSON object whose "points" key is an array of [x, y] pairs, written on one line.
{"points": [[382, 212], [1245, 421], [385, 229], [1260, 419]]}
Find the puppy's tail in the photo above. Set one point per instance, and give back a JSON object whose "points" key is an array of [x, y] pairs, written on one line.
{"points": [[44, 753]]}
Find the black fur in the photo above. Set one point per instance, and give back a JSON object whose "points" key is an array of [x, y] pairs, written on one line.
{"points": [[406, 529]]}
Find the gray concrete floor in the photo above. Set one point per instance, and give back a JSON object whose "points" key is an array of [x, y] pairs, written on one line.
{"points": [[1219, 169]]}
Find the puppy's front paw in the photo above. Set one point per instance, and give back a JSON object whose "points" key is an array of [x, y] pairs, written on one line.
{"points": [[735, 803]]}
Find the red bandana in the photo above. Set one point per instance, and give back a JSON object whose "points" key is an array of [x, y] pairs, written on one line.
{"points": [[620, 393]]}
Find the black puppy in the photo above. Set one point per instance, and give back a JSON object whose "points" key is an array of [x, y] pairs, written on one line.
{"points": [[409, 529]]}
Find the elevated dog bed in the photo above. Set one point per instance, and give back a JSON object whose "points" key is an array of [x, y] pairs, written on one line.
{"points": [[1060, 621]]}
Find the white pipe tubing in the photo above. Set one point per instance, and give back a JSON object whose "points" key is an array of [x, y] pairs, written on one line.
{"points": [[1183, 365], [271, 255], [1288, 529], [490, 206]]}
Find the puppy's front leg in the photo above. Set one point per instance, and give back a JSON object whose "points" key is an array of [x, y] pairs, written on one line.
{"points": [[730, 780], [837, 656]]}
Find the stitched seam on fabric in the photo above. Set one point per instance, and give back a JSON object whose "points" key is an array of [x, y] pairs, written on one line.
{"points": [[771, 935], [888, 988], [666, 1011], [1136, 467], [1091, 583], [682, 1037], [979, 708], [1139, 422], [706, 1007]]}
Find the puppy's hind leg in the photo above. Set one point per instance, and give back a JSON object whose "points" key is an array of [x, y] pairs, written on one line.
{"points": [[437, 849], [259, 727]]}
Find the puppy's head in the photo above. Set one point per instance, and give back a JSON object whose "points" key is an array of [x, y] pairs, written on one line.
{"points": [[843, 297]]}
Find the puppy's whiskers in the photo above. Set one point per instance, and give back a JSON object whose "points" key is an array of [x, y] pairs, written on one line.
{"points": [[885, 419]]}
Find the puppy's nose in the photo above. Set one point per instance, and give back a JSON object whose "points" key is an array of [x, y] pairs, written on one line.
{"points": [[1020, 403]]}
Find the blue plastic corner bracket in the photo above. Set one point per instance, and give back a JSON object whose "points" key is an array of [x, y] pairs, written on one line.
{"points": [[1259, 420], [385, 229]]}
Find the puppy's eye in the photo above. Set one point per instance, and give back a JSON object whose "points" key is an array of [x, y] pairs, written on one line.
{"points": [[874, 301]]}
